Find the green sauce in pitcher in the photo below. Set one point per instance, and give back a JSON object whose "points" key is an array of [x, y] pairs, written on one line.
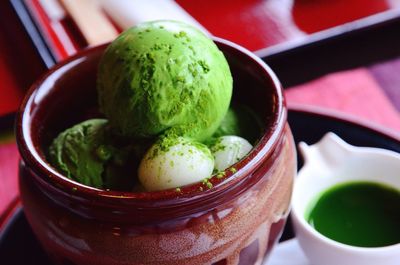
{"points": [[364, 214]]}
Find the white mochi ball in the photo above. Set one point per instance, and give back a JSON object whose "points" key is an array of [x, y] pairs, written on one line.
{"points": [[172, 163], [228, 150]]}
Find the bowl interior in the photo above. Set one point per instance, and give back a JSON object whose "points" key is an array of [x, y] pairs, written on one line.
{"points": [[67, 95]]}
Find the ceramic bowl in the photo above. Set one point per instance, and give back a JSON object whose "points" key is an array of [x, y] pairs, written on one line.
{"points": [[237, 221], [327, 163]]}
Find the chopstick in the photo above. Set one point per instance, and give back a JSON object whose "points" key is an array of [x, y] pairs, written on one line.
{"points": [[91, 21], [128, 13]]}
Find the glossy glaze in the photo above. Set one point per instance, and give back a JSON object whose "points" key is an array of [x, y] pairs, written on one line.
{"points": [[235, 222]]}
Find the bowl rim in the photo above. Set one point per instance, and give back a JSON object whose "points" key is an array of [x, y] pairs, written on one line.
{"points": [[260, 152]]}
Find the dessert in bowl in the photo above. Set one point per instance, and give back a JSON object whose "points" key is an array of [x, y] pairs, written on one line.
{"points": [[233, 217]]}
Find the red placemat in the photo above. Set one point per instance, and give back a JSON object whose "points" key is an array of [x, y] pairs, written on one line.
{"points": [[8, 174], [355, 92]]}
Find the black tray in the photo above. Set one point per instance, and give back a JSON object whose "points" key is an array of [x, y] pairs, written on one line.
{"points": [[19, 246]]}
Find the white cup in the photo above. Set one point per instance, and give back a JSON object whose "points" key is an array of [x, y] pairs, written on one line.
{"points": [[329, 162]]}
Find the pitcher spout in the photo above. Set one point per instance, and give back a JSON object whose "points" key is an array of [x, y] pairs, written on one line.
{"points": [[331, 151]]}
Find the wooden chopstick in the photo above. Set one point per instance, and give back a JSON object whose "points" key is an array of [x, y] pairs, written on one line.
{"points": [[92, 22]]}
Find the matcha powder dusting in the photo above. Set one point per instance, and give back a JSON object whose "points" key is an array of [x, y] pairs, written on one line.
{"points": [[162, 75]]}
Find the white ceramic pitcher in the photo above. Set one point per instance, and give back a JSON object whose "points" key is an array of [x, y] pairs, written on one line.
{"points": [[327, 163]]}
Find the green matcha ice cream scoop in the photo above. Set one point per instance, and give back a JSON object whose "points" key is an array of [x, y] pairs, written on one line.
{"points": [[161, 75], [242, 121], [79, 152]]}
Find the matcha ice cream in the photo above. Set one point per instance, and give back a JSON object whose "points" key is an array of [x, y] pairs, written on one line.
{"points": [[242, 121], [161, 75], [79, 152], [164, 87], [87, 153]]}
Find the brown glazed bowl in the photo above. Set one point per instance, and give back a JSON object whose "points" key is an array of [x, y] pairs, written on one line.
{"points": [[237, 221]]}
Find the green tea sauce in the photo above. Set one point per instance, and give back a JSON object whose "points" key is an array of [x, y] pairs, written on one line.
{"points": [[363, 214]]}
